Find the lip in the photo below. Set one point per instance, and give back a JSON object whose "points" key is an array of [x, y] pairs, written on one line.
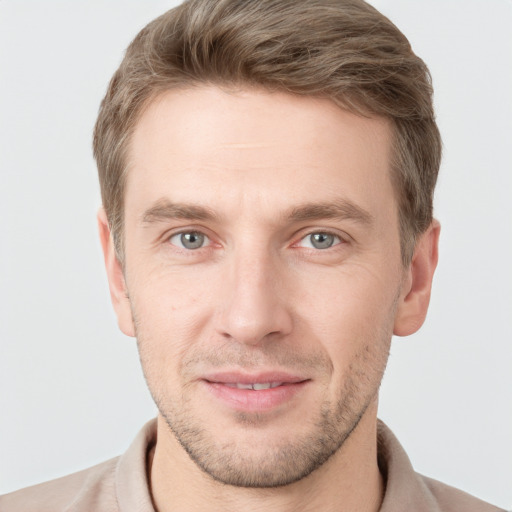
{"points": [[221, 386]]}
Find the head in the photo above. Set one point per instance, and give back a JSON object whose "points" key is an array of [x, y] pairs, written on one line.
{"points": [[345, 51], [268, 192]]}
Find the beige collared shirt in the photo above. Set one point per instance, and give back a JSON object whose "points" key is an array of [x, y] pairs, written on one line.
{"points": [[121, 485]]}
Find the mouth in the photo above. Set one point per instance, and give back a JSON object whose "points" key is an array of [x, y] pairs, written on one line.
{"points": [[255, 393]]}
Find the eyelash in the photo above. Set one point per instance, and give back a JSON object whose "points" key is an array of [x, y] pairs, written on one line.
{"points": [[339, 240], [185, 232]]}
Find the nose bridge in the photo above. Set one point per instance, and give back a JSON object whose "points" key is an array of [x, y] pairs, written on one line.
{"points": [[254, 306]]}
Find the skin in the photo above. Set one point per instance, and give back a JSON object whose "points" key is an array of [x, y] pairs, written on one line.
{"points": [[249, 177]]}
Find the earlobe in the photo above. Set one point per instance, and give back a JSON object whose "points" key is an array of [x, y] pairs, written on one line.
{"points": [[116, 280], [415, 296]]}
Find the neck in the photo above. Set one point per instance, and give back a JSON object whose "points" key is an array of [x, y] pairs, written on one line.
{"points": [[349, 480]]}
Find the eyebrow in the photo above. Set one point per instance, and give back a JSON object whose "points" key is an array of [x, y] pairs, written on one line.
{"points": [[341, 209], [164, 210]]}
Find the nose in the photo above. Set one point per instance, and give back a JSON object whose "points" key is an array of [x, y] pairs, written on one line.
{"points": [[255, 306]]}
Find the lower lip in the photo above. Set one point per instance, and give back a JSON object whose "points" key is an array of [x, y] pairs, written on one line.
{"points": [[248, 400]]}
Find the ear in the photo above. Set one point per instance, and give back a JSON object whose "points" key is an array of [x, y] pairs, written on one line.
{"points": [[415, 296], [116, 281]]}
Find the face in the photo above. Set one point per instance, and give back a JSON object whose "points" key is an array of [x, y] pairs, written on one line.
{"points": [[263, 275]]}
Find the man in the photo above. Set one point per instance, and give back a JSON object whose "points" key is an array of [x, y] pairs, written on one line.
{"points": [[267, 227]]}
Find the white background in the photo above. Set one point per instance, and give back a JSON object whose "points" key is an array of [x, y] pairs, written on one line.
{"points": [[71, 391]]}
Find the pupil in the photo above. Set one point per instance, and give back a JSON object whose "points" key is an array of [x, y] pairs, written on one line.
{"points": [[192, 240], [322, 240]]}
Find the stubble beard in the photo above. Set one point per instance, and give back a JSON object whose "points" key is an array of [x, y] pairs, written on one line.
{"points": [[293, 458], [279, 465]]}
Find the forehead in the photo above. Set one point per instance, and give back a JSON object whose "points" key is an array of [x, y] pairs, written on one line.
{"points": [[252, 147]]}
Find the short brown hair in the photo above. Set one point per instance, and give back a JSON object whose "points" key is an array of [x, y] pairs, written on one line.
{"points": [[344, 50]]}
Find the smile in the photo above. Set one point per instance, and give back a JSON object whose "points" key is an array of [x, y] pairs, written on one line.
{"points": [[254, 393]]}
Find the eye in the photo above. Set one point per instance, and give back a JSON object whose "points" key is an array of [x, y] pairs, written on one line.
{"points": [[190, 240], [320, 240]]}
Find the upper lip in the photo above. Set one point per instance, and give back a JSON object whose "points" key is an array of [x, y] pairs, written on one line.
{"points": [[239, 377]]}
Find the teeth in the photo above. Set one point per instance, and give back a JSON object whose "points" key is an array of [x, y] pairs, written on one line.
{"points": [[243, 386], [257, 386]]}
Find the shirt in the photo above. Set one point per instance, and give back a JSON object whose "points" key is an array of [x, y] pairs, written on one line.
{"points": [[121, 485]]}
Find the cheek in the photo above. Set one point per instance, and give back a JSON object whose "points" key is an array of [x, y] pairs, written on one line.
{"points": [[348, 310], [352, 296], [170, 311]]}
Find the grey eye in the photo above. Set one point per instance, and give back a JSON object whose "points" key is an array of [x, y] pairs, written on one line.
{"points": [[190, 240], [320, 240]]}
